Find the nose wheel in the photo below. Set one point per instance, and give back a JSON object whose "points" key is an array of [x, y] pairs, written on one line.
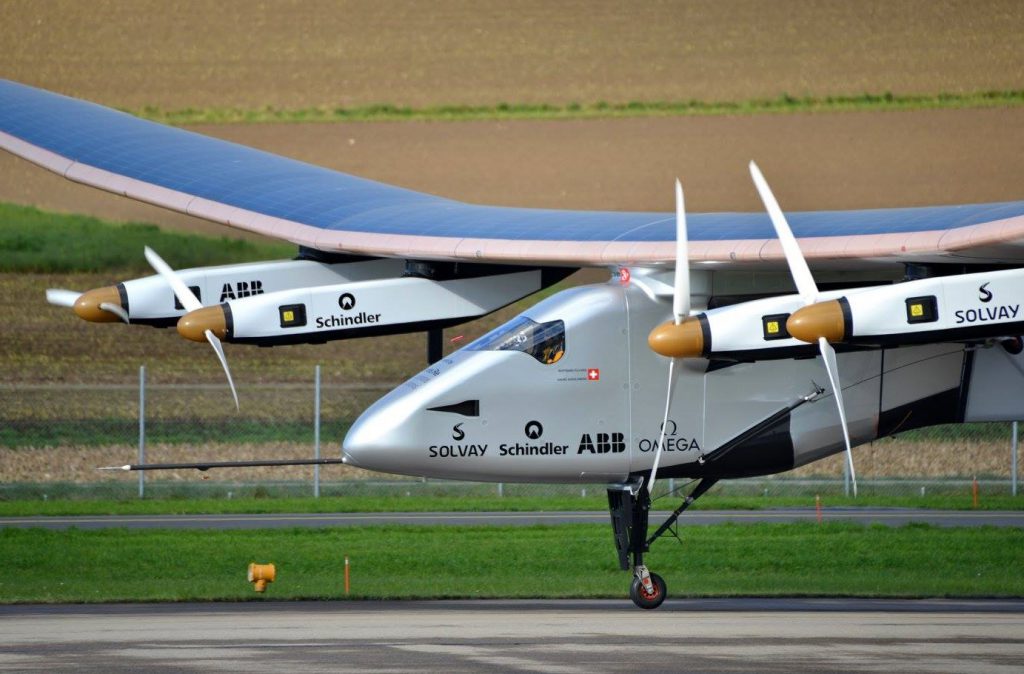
{"points": [[648, 589]]}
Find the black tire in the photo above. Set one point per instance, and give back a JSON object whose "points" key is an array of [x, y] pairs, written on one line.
{"points": [[644, 600]]}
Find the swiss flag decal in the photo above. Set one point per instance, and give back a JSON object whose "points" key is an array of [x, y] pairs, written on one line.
{"points": [[593, 374]]}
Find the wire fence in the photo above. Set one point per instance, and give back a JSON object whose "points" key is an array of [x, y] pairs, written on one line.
{"points": [[53, 437]]}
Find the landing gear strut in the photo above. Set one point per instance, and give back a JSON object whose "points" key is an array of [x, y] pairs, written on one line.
{"points": [[629, 505]]}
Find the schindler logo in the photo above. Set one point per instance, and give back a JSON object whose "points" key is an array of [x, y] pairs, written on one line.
{"points": [[362, 318], [347, 302], [534, 430]]}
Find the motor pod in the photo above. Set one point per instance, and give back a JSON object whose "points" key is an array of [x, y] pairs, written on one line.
{"points": [[87, 306], [688, 339], [830, 320], [194, 324]]}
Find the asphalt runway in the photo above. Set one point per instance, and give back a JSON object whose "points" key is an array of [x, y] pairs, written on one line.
{"points": [[569, 636], [886, 516]]}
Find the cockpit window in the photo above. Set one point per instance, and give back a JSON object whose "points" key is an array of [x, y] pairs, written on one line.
{"points": [[543, 341]]}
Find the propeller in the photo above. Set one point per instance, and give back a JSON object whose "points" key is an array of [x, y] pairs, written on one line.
{"points": [[680, 311], [62, 297], [191, 303], [808, 291], [102, 305]]}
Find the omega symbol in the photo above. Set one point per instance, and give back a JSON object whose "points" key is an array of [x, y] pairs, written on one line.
{"points": [[670, 428], [347, 301], [984, 295], [533, 430]]}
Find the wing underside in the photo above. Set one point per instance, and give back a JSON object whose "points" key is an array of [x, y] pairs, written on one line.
{"points": [[332, 211]]}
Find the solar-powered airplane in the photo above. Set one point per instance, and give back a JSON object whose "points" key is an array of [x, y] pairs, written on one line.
{"points": [[912, 316]]}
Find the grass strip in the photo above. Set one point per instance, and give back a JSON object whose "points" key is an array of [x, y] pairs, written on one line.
{"points": [[36, 241], [543, 561], [459, 501], [20, 433], [785, 103]]}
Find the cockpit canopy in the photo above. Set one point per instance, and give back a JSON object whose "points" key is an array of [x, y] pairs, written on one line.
{"points": [[544, 341]]}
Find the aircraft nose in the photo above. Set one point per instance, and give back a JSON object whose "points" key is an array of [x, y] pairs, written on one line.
{"points": [[412, 430], [375, 441]]}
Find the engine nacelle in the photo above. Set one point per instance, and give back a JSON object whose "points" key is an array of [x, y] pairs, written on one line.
{"points": [[151, 301], [964, 307], [364, 308], [948, 308]]}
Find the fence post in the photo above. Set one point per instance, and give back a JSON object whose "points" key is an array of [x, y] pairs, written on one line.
{"points": [[142, 429], [1013, 461], [316, 432]]}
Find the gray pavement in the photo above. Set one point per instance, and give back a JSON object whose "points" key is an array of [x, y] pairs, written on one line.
{"points": [[886, 516], [728, 635]]}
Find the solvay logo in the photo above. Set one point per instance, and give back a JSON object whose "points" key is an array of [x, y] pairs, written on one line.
{"points": [[984, 294], [533, 430], [347, 301], [457, 432]]}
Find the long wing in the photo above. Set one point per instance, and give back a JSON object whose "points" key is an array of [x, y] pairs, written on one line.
{"points": [[333, 211]]}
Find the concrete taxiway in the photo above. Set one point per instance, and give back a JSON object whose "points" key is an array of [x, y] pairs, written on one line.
{"points": [[569, 636], [887, 516]]}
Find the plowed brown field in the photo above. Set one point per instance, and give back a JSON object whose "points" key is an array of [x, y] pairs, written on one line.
{"points": [[235, 53]]}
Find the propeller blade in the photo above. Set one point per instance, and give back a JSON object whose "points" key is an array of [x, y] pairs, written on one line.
{"points": [[680, 310], [805, 284], [191, 303], [181, 291], [62, 297], [115, 309], [681, 295], [808, 290], [828, 354], [664, 426], [219, 349]]}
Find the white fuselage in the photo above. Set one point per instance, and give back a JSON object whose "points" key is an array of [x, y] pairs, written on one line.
{"points": [[594, 415]]}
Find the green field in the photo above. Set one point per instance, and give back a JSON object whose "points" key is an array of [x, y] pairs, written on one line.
{"points": [[35, 241], [561, 561], [785, 103], [468, 499]]}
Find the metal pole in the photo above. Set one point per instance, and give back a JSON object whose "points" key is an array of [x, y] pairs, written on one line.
{"points": [[1013, 461], [142, 429], [316, 432]]}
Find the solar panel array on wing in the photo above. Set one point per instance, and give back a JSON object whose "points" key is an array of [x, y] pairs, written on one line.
{"points": [[261, 182]]}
